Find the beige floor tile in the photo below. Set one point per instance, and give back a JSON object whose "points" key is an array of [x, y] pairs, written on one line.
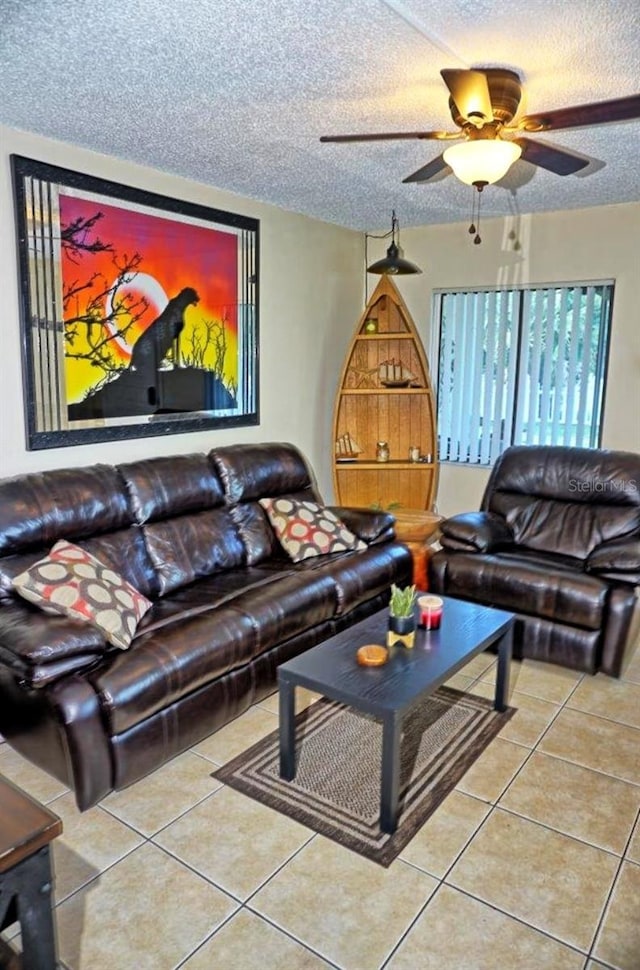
{"points": [[456, 932], [443, 837], [9, 958], [632, 670], [633, 851], [482, 664], [532, 718], [608, 697], [304, 698], [163, 795], [234, 841], [350, 910], [459, 682], [575, 800], [148, 912], [546, 681], [237, 736], [596, 965], [488, 777], [37, 783], [553, 882], [91, 841], [618, 941], [248, 942], [595, 743]]}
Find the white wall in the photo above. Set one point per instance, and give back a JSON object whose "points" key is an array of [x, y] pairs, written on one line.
{"points": [[310, 299], [584, 244]]}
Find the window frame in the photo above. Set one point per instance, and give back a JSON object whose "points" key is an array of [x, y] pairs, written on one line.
{"points": [[517, 292]]}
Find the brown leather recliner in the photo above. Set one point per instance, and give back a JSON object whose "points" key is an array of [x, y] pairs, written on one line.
{"points": [[557, 541]]}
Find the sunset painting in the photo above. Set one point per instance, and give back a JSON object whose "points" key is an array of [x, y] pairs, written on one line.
{"points": [[121, 268]]}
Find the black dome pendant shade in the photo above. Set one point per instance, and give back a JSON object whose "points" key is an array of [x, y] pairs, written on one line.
{"points": [[393, 263]]}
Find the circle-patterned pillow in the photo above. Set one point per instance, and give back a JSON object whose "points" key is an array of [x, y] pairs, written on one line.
{"points": [[306, 529], [72, 582]]}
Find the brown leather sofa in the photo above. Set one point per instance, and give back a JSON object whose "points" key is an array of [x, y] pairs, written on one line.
{"points": [[557, 541], [228, 606]]}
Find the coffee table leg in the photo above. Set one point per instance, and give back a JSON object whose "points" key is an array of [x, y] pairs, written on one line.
{"points": [[286, 704], [505, 644], [390, 781]]}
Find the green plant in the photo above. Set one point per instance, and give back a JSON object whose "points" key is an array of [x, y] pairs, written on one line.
{"points": [[379, 507], [402, 600]]}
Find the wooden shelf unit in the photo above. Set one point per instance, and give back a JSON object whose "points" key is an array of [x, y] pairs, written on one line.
{"points": [[369, 412]]}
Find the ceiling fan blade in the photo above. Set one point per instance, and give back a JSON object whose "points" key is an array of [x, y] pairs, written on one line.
{"points": [[392, 135], [560, 161], [470, 93], [581, 115], [428, 171]]}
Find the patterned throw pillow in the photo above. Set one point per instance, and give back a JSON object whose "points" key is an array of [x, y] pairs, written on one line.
{"points": [[74, 583], [306, 529]]}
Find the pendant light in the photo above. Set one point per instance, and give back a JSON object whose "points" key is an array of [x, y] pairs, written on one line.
{"points": [[393, 263]]}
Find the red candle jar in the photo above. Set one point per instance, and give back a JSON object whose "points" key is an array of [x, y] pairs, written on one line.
{"points": [[430, 612]]}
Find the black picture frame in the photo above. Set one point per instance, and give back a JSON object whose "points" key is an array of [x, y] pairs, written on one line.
{"points": [[102, 265]]}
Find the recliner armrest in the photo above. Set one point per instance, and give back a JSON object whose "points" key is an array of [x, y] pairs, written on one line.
{"points": [[370, 525], [618, 559], [475, 532]]}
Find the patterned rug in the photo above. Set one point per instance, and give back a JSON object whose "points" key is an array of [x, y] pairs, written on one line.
{"points": [[336, 790]]}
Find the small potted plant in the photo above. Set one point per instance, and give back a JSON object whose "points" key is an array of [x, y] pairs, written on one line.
{"points": [[402, 619]]}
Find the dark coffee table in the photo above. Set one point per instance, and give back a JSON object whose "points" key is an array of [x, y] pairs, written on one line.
{"points": [[390, 691]]}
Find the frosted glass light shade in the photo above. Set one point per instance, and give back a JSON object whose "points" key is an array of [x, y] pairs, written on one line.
{"points": [[482, 161]]}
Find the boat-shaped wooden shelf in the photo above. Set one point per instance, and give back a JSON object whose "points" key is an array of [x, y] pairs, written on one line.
{"points": [[385, 395]]}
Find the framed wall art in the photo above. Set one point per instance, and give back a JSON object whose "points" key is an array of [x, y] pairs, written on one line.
{"points": [[139, 312]]}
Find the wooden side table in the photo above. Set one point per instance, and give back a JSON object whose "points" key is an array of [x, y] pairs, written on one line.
{"points": [[418, 530], [26, 829]]}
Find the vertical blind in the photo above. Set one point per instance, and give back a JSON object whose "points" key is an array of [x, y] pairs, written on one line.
{"points": [[520, 366]]}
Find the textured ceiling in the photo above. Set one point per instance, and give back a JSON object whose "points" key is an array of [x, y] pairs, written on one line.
{"points": [[236, 93]]}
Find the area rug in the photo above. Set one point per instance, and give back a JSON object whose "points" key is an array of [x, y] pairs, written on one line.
{"points": [[336, 790]]}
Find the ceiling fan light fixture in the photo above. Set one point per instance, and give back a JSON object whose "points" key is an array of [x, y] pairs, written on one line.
{"points": [[482, 161], [393, 264]]}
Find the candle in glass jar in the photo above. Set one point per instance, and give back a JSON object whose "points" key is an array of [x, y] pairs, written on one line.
{"points": [[430, 609]]}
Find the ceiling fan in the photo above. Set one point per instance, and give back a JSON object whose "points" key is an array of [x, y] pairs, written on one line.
{"points": [[484, 102]]}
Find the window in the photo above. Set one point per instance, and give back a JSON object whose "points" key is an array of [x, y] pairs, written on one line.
{"points": [[520, 366]]}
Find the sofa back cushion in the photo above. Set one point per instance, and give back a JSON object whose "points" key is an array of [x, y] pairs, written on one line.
{"points": [[251, 472], [179, 504], [566, 500], [88, 506]]}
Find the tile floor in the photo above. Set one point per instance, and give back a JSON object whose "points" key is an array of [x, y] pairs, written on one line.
{"points": [[532, 863]]}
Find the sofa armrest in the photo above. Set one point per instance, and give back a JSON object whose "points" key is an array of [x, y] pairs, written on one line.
{"points": [[475, 532], [618, 559], [38, 647], [369, 525]]}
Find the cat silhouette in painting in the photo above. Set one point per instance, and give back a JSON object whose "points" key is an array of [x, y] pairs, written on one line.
{"points": [[154, 344]]}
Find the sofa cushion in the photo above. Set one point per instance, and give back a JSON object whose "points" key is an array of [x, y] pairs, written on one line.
{"points": [[160, 488], [37, 509], [306, 529], [72, 582], [359, 576], [570, 500], [195, 648], [256, 533], [188, 547], [249, 472], [539, 585]]}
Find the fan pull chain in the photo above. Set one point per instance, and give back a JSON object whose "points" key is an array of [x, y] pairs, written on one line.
{"points": [[472, 227], [477, 239]]}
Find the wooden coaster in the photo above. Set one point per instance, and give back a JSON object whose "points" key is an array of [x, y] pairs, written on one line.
{"points": [[372, 655]]}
